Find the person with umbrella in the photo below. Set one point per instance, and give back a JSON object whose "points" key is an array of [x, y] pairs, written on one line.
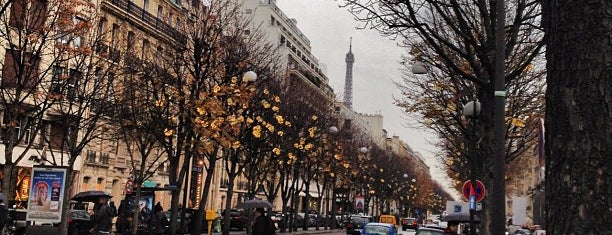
{"points": [[452, 227], [263, 225], [101, 218]]}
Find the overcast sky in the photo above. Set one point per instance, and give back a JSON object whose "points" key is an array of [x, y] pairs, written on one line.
{"points": [[376, 66]]}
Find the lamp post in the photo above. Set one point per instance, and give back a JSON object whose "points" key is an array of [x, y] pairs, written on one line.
{"points": [[334, 205], [472, 110]]}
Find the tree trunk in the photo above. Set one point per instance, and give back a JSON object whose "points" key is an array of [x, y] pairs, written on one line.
{"points": [[174, 201], [578, 116], [8, 181], [199, 216], [228, 205], [63, 227], [136, 208]]}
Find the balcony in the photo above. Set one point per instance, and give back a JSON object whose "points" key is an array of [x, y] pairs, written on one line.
{"points": [[135, 11]]}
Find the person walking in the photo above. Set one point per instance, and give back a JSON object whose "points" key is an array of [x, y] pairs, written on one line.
{"points": [[263, 225], [102, 219], [452, 228], [3, 213]]}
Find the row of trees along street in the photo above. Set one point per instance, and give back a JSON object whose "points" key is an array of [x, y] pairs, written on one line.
{"points": [[75, 82], [456, 41]]}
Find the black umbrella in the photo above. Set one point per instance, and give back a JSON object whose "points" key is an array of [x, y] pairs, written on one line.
{"points": [[255, 203], [90, 196], [460, 217]]}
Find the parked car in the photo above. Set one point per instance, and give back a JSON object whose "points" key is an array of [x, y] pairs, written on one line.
{"points": [[378, 229], [409, 223], [523, 232], [356, 223], [79, 222], [238, 219], [429, 231]]}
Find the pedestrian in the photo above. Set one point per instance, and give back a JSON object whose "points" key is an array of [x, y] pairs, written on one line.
{"points": [[452, 228], [3, 212], [101, 217], [263, 225]]}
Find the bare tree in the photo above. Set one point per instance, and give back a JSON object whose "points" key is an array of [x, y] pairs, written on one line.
{"points": [[42, 38]]}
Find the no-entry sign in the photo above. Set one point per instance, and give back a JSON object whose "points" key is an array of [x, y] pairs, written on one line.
{"points": [[479, 190]]}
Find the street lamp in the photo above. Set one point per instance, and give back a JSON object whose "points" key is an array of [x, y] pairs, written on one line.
{"points": [[249, 76], [472, 110]]}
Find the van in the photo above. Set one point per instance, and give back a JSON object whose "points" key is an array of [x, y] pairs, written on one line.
{"points": [[388, 219]]}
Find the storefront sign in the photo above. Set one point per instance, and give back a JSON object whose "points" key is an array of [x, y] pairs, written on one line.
{"points": [[46, 194]]}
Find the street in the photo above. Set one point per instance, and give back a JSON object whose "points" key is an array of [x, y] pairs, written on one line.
{"points": [[313, 232]]}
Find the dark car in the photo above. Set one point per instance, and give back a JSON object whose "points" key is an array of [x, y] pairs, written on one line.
{"points": [[356, 223], [523, 232], [238, 219], [79, 222], [409, 223], [429, 231]]}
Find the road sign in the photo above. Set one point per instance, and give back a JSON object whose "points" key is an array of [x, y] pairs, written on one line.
{"points": [[129, 186], [479, 190]]}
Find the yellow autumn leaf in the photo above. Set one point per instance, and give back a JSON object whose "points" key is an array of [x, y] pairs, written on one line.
{"points": [[257, 131], [168, 132], [249, 120], [518, 122], [275, 108], [281, 133], [309, 146], [159, 103], [201, 111], [276, 151], [216, 88], [279, 119], [236, 144], [277, 99], [266, 91], [265, 104], [270, 128], [234, 79], [314, 117]]}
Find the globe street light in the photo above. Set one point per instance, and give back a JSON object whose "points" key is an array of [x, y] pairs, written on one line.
{"points": [[249, 76]]}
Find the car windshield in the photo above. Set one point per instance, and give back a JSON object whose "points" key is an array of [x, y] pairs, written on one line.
{"points": [[377, 229]]}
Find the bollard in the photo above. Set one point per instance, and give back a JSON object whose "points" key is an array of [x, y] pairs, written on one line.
{"points": [[210, 217]]}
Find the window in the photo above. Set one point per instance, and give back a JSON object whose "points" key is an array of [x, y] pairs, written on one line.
{"points": [[12, 76], [145, 6], [72, 92], [100, 184], [91, 156], [56, 135], [37, 14], [114, 35], [130, 41], [272, 20], [145, 48], [23, 129], [160, 12], [102, 26], [85, 185], [104, 158], [57, 81]]}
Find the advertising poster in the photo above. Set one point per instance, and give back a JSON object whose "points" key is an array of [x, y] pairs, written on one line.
{"points": [[46, 194], [359, 202]]}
